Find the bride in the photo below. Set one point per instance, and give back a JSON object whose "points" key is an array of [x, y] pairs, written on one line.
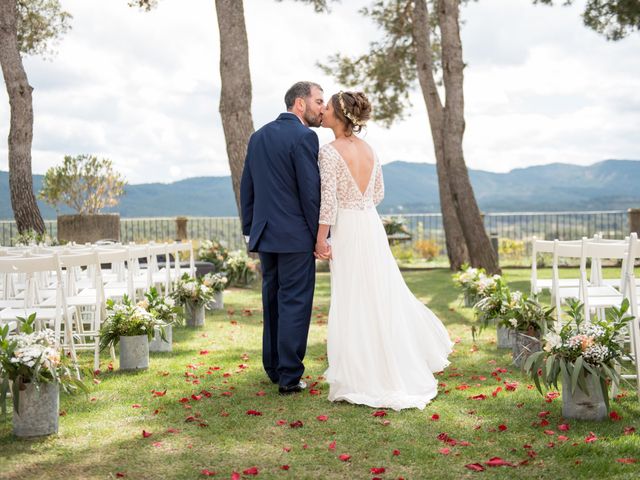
{"points": [[383, 344]]}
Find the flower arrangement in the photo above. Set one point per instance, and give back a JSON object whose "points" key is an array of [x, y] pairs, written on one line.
{"points": [[496, 305], [393, 226], [215, 252], [241, 270], [475, 283], [192, 290], [580, 349], [33, 357], [164, 309], [125, 319], [526, 314], [216, 281]]}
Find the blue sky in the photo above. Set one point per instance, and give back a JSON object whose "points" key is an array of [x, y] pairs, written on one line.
{"points": [[143, 88]]}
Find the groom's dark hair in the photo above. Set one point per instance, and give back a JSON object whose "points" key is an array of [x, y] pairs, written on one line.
{"points": [[298, 90]]}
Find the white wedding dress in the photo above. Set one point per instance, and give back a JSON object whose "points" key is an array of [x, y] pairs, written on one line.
{"points": [[383, 344]]}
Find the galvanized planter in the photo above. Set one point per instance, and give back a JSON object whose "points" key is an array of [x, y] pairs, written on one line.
{"points": [[134, 352], [580, 405], [39, 410], [159, 345], [505, 337], [524, 344], [194, 314], [469, 300]]}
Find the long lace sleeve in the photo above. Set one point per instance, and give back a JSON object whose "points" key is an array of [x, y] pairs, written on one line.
{"points": [[328, 188], [378, 188]]}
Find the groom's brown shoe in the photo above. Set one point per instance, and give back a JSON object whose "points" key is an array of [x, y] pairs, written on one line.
{"points": [[300, 386]]}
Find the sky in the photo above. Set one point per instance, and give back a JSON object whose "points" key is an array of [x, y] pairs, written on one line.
{"points": [[142, 88]]}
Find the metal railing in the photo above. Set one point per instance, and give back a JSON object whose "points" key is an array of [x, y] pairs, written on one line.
{"points": [[514, 227]]}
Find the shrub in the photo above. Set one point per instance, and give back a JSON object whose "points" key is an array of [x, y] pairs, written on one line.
{"points": [[427, 249]]}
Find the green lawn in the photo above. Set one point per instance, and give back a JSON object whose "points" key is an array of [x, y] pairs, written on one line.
{"points": [[101, 435]]}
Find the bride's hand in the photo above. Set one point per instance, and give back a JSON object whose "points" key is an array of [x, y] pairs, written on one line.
{"points": [[323, 250]]}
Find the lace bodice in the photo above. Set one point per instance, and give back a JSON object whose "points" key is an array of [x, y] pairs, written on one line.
{"points": [[339, 189]]}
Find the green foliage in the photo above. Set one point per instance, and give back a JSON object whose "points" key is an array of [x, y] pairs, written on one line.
{"points": [[164, 309], [580, 349], [84, 183], [125, 319], [241, 270], [387, 72], [40, 23], [192, 290], [615, 19], [214, 251], [33, 357], [403, 253], [215, 281], [31, 237], [393, 226]]}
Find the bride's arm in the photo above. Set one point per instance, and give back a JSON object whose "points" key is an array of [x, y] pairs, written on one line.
{"points": [[378, 188], [328, 200]]}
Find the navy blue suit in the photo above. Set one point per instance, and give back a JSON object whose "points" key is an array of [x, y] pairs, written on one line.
{"points": [[280, 200]]}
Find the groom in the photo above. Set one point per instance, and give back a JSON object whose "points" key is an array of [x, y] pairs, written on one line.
{"points": [[280, 199]]}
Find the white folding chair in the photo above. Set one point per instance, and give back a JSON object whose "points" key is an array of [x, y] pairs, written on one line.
{"points": [[634, 299], [540, 284], [594, 294], [58, 316], [184, 247]]}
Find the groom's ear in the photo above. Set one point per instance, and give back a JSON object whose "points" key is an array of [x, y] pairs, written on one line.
{"points": [[300, 103]]}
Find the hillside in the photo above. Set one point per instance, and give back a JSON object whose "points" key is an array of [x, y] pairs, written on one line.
{"points": [[410, 187]]}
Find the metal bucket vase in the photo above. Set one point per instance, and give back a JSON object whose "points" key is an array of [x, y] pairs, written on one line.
{"points": [[524, 344], [134, 352], [218, 301], [580, 405], [39, 410], [159, 345], [194, 314], [469, 300], [505, 337]]}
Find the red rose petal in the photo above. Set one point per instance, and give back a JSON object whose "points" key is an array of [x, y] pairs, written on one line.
{"points": [[261, 393], [281, 422], [498, 462], [481, 396], [344, 457], [590, 438], [296, 424], [120, 475], [614, 416], [377, 470], [563, 427], [284, 467], [235, 476], [207, 473], [136, 405], [444, 451], [435, 416], [396, 453], [251, 471], [322, 418], [476, 467], [255, 413], [626, 460], [379, 413], [332, 445], [502, 427], [629, 430], [146, 434]]}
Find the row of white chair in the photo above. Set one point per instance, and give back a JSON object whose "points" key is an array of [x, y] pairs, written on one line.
{"points": [[596, 291], [67, 287]]}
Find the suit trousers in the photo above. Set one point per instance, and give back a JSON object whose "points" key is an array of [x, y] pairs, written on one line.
{"points": [[288, 282]]}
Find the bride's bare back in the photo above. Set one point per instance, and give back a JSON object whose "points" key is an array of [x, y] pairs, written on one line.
{"points": [[359, 157]]}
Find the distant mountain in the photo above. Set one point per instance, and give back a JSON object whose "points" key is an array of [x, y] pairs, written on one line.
{"points": [[409, 187]]}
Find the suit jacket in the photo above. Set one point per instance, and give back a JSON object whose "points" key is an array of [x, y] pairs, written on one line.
{"points": [[280, 188]]}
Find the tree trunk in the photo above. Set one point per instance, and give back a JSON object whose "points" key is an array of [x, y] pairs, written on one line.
{"points": [[455, 240], [235, 95], [481, 252], [23, 200]]}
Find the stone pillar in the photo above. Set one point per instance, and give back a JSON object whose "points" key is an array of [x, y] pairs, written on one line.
{"points": [[181, 228], [634, 220]]}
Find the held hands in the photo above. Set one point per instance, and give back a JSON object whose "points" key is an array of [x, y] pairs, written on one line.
{"points": [[323, 250]]}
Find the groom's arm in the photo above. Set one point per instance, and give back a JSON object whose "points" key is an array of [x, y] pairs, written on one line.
{"points": [[308, 179], [246, 195]]}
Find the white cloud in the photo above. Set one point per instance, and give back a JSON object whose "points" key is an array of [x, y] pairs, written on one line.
{"points": [[143, 88]]}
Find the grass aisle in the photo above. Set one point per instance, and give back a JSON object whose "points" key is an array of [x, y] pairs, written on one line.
{"points": [[209, 407]]}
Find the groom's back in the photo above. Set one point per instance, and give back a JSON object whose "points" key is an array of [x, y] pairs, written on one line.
{"points": [[283, 175]]}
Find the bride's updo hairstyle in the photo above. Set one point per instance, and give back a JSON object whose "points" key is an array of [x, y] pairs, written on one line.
{"points": [[353, 109]]}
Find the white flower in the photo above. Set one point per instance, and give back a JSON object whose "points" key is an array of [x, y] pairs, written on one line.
{"points": [[552, 341], [595, 354], [513, 322], [170, 302]]}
